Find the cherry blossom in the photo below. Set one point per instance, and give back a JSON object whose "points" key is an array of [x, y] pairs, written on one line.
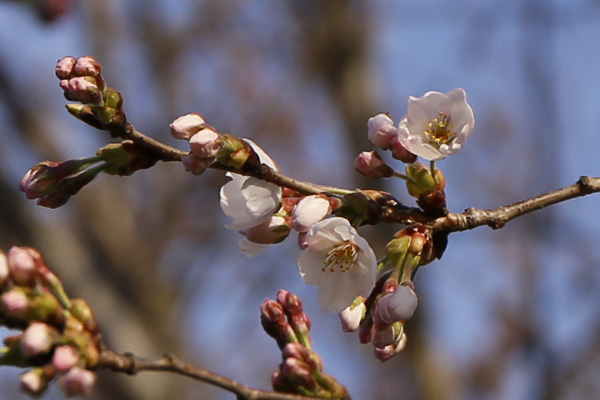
{"points": [[309, 211], [437, 124], [339, 261], [250, 201], [259, 238]]}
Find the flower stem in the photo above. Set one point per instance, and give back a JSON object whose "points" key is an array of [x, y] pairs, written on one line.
{"points": [[403, 176]]}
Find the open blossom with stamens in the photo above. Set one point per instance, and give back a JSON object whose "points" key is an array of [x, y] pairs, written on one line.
{"points": [[250, 201], [437, 124], [339, 261]]}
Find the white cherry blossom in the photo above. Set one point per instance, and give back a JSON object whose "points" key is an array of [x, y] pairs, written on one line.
{"points": [[258, 238], [250, 201], [437, 124], [339, 261], [309, 211]]}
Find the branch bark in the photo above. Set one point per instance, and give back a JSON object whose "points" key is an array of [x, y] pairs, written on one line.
{"points": [[497, 218], [393, 211], [131, 364]]}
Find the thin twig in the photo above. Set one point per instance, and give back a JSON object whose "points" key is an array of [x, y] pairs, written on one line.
{"points": [[164, 151], [131, 364], [497, 218]]}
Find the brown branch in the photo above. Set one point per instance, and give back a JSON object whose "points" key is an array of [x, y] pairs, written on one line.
{"points": [[497, 218], [164, 151], [131, 364], [168, 153], [393, 211]]}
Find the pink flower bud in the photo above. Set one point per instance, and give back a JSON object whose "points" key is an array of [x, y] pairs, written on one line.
{"points": [[83, 89], [64, 358], [64, 67], [294, 350], [399, 152], [370, 163], [4, 271], [186, 126], [22, 266], [34, 382], [352, 316], [38, 338], [15, 303], [389, 351], [194, 165], [399, 305], [383, 337], [206, 143], [309, 211], [77, 382], [275, 323], [41, 179], [298, 373], [87, 66], [381, 131]]}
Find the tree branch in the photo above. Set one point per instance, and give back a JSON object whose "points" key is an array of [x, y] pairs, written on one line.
{"points": [[393, 211], [497, 218], [131, 364]]}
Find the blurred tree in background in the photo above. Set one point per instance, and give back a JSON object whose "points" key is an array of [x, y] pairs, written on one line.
{"points": [[505, 315]]}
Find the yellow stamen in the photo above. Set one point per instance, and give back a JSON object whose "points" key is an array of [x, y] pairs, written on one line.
{"points": [[342, 257], [440, 130]]}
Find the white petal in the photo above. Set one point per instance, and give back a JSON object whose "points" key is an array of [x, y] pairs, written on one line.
{"points": [[309, 211], [262, 155], [251, 249], [310, 264], [249, 201]]}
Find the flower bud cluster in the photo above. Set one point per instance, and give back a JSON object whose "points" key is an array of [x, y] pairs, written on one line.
{"points": [[81, 80], [59, 336], [263, 212], [53, 183], [380, 317], [435, 126], [208, 146], [301, 371]]}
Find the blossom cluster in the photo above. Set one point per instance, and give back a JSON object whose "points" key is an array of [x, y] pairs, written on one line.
{"points": [[375, 296], [265, 214], [436, 125], [380, 317], [59, 337]]}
